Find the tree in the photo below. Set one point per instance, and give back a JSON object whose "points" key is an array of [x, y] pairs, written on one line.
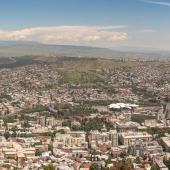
{"points": [[94, 166], [75, 128], [108, 161], [7, 135], [124, 154], [153, 167], [49, 167], [125, 164], [104, 168], [38, 152], [50, 148], [167, 162], [14, 134]]}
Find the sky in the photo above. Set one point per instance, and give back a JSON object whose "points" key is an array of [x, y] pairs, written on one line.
{"points": [[103, 23]]}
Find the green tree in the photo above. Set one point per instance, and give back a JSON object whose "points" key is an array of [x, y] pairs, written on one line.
{"points": [[125, 164], [49, 167], [167, 162], [153, 167], [108, 161], [50, 148], [94, 166], [38, 152], [7, 135], [14, 134]]}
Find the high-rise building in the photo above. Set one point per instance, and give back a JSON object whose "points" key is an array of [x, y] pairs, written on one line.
{"points": [[110, 137]]}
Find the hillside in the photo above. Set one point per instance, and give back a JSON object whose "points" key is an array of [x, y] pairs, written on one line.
{"points": [[22, 48]]}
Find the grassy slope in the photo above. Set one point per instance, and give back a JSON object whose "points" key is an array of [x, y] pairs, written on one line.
{"points": [[79, 70]]}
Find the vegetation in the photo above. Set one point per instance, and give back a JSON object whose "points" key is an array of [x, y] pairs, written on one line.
{"points": [[78, 77], [159, 131], [10, 119], [5, 96], [125, 164], [108, 161], [141, 118], [38, 152], [49, 167], [95, 124], [37, 108], [167, 162], [94, 166], [142, 91], [81, 110], [6, 135], [6, 60], [26, 117], [95, 102], [50, 148], [154, 167]]}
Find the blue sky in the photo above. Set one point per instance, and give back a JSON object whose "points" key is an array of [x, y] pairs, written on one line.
{"points": [[106, 23]]}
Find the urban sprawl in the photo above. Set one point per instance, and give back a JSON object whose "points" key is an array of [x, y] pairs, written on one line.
{"points": [[85, 114]]}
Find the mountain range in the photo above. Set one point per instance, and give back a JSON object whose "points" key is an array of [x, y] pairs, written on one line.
{"points": [[22, 48]]}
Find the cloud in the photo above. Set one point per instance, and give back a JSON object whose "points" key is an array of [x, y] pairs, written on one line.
{"points": [[167, 4], [67, 34]]}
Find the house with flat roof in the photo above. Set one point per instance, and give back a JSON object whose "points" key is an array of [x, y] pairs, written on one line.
{"points": [[129, 137]]}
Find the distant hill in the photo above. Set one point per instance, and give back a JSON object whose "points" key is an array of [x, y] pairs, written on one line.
{"points": [[22, 48]]}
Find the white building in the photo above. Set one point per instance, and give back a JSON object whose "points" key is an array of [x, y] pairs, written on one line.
{"points": [[70, 140], [97, 138], [128, 138]]}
